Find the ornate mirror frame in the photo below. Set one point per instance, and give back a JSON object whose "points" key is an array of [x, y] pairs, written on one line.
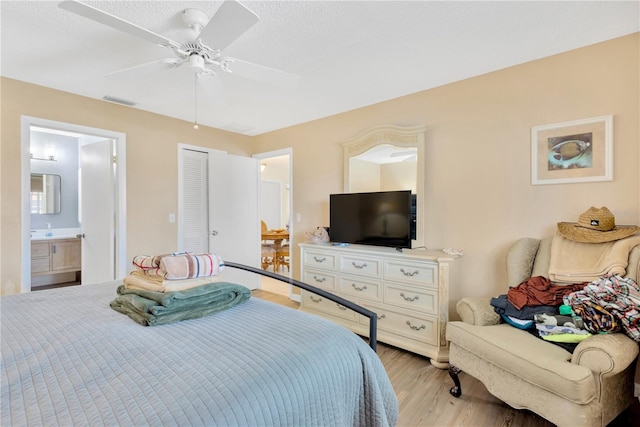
{"points": [[403, 137]]}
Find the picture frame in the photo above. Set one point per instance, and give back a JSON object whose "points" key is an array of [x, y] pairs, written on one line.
{"points": [[572, 152]]}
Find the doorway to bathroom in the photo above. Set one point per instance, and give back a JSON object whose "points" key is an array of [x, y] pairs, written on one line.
{"points": [[90, 165]]}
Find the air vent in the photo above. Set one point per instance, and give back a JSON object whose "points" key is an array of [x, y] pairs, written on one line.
{"points": [[237, 127], [119, 101]]}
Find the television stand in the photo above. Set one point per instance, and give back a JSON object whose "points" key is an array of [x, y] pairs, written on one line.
{"points": [[408, 291]]}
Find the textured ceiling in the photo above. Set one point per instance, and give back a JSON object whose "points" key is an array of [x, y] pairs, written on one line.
{"points": [[348, 54]]}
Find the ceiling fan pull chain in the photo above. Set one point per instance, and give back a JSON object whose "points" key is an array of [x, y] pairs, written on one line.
{"points": [[195, 100]]}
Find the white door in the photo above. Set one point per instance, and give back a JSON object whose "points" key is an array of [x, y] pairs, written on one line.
{"points": [[233, 215], [97, 216]]}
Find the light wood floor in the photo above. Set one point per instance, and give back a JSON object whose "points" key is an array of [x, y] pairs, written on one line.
{"points": [[423, 393]]}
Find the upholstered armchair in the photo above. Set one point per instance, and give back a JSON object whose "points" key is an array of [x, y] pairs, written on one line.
{"points": [[590, 387]]}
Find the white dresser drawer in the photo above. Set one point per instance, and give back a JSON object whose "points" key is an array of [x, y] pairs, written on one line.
{"points": [[319, 279], [413, 298], [361, 265], [410, 325], [319, 259], [359, 287], [408, 272], [408, 290], [316, 302]]}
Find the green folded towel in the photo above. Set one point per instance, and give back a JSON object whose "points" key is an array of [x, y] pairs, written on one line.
{"points": [[151, 308]]}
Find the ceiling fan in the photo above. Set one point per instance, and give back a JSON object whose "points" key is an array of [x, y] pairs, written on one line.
{"points": [[203, 53]]}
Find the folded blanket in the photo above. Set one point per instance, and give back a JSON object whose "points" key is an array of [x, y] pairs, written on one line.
{"points": [[179, 266], [573, 262], [141, 281], [151, 308], [148, 262]]}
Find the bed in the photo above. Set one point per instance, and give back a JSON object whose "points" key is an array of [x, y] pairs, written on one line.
{"points": [[69, 359]]}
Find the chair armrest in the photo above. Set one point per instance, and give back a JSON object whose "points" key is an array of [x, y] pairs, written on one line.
{"points": [[477, 311], [606, 353]]}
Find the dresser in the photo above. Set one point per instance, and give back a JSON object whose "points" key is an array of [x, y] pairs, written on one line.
{"points": [[409, 292]]}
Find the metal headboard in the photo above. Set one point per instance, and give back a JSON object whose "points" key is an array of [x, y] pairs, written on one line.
{"points": [[373, 317]]}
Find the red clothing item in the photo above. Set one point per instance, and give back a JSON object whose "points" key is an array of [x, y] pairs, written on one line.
{"points": [[538, 290]]}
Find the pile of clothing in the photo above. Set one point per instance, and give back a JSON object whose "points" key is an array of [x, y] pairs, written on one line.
{"points": [[609, 304], [593, 251], [172, 287], [537, 305]]}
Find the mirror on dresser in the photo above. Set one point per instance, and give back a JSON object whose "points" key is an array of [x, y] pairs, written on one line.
{"points": [[388, 158]]}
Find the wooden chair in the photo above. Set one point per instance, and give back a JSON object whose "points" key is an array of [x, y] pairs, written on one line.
{"points": [[282, 258], [268, 256]]}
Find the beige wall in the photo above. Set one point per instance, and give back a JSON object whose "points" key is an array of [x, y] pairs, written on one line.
{"points": [[152, 167], [479, 195], [368, 176], [398, 176], [478, 191]]}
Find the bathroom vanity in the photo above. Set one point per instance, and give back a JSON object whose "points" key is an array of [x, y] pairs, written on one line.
{"points": [[55, 260]]}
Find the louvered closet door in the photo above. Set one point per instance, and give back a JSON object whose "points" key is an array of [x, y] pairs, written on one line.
{"points": [[195, 201]]}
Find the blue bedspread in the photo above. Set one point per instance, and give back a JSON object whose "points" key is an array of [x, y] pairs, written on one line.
{"points": [[69, 359]]}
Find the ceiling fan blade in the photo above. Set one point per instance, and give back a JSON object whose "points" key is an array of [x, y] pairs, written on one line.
{"points": [[112, 21], [143, 70], [230, 21], [261, 73]]}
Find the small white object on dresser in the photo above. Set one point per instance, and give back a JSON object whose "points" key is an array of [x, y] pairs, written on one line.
{"points": [[409, 291]]}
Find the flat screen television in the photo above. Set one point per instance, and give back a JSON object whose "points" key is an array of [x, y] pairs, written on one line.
{"points": [[382, 218]]}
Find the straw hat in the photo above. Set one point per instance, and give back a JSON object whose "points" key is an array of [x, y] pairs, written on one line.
{"points": [[596, 226]]}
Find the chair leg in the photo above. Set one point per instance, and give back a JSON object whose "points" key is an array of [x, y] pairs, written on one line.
{"points": [[455, 391]]}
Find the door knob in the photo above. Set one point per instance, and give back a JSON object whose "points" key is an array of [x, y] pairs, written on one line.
{"points": [[214, 232]]}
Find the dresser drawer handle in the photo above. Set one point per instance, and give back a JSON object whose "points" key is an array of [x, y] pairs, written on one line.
{"points": [[319, 279], [357, 288], [359, 266], [410, 299], [409, 273], [415, 328], [341, 307], [316, 300], [316, 259]]}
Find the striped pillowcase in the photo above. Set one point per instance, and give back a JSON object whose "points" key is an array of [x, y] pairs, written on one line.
{"points": [[179, 266], [189, 266]]}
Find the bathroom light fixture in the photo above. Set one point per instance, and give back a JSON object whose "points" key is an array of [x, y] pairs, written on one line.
{"points": [[50, 158]]}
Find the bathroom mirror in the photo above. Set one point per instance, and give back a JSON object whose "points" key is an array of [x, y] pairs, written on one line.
{"points": [[388, 158], [45, 194]]}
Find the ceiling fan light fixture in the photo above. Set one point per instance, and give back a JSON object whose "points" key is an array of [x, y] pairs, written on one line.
{"points": [[196, 61]]}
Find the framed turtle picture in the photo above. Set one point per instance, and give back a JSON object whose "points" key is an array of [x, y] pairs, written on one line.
{"points": [[572, 152]]}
